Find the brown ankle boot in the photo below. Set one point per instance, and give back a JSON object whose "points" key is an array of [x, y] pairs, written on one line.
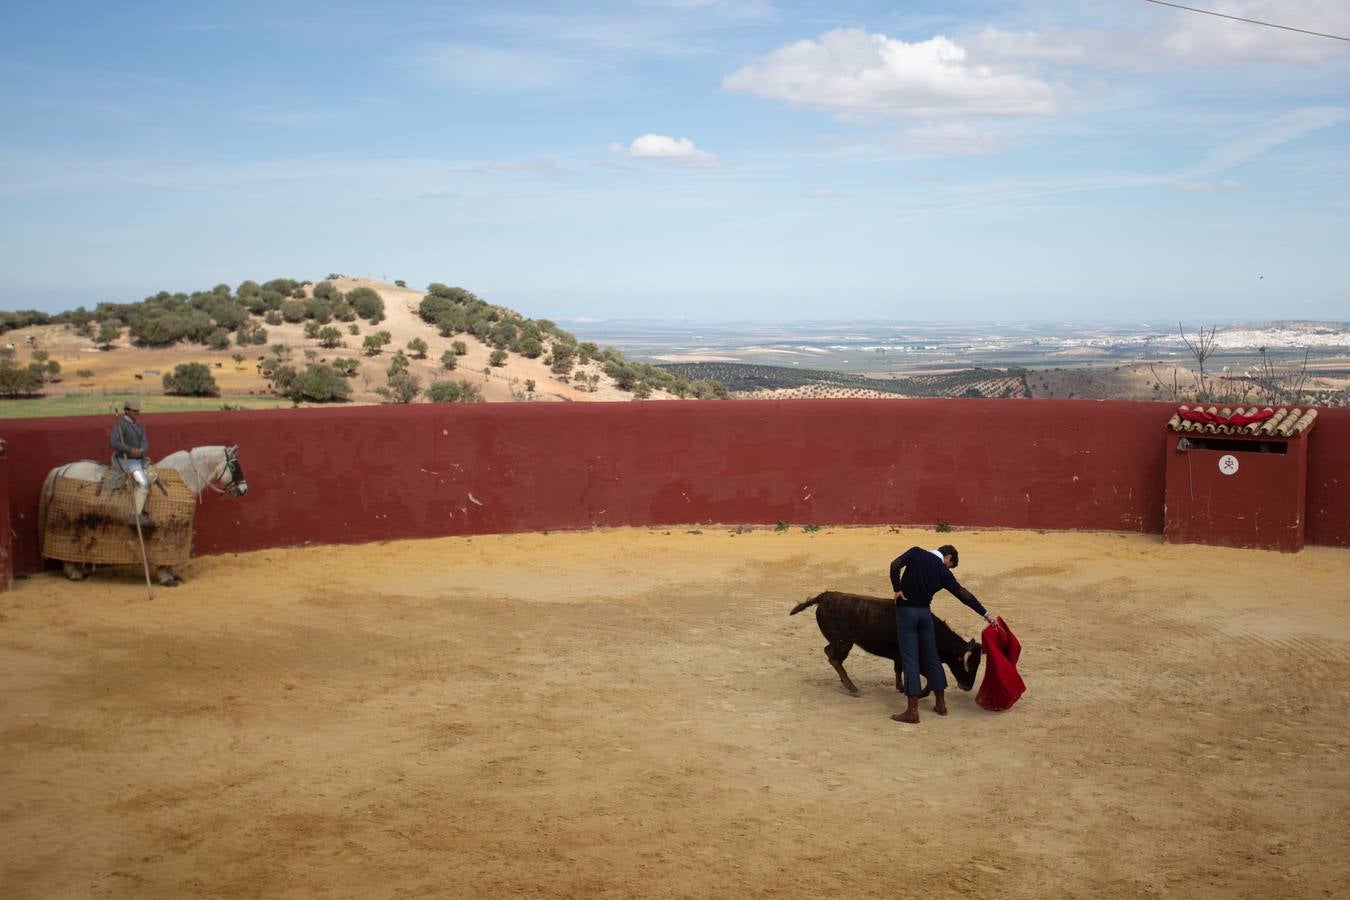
{"points": [[910, 715], [940, 703]]}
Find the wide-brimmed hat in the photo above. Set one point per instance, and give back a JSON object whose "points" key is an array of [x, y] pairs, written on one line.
{"points": [[133, 403]]}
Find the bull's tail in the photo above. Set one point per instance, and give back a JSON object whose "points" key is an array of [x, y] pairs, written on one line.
{"points": [[805, 603]]}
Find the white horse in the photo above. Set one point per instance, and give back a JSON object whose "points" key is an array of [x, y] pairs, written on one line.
{"points": [[215, 467]]}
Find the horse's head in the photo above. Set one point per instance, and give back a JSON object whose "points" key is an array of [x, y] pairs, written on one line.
{"points": [[232, 476]]}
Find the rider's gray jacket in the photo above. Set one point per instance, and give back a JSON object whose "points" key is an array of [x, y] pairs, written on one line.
{"points": [[127, 436]]}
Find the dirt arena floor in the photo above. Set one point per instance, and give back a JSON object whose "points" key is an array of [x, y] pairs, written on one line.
{"points": [[632, 713]]}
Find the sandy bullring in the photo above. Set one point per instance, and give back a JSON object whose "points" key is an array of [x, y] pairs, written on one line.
{"points": [[632, 713]]}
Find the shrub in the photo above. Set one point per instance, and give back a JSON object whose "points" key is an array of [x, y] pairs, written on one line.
{"points": [[320, 383], [403, 387], [330, 337], [107, 333], [320, 310], [367, 304], [372, 344], [311, 329], [502, 334], [191, 380], [449, 361], [325, 290], [497, 358], [281, 286], [218, 339], [272, 317], [707, 389], [250, 333], [282, 376], [418, 348], [159, 331], [293, 310], [562, 359], [459, 347], [454, 392], [17, 382], [346, 366]]}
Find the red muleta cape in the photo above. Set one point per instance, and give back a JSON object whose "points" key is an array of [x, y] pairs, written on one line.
{"points": [[1002, 685]]}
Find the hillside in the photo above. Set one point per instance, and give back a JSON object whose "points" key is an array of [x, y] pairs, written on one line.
{"points": [[124, 367]]}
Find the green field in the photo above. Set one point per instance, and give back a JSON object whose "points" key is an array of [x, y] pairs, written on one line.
{"points": [[110, 404]]}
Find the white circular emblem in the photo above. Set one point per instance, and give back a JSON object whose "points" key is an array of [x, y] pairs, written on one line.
{"points": [[1228, 464]]}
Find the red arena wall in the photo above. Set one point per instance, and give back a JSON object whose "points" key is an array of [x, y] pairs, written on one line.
{"points": [[359, 474]]}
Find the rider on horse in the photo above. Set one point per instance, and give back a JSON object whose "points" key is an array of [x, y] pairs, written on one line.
{"points": [[130, 448]]}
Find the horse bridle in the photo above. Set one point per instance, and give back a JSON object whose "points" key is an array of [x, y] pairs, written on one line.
{"points": [[237, 485]]}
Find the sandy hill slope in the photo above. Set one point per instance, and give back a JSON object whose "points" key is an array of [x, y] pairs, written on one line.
{"points": [[129, 369]]}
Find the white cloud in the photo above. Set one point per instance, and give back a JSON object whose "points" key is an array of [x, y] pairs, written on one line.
{"points": [[1285, 128], [1051, 45], [821, 194], [1209, 39], [949, 139], [858, 74], [1206, 187], [660, 147]]}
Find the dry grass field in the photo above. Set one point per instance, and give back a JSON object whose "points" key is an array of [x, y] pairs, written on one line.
{"points": [[632, 713]]}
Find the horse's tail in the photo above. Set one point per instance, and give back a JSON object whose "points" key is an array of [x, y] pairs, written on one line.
{"points": [[805, 603]]}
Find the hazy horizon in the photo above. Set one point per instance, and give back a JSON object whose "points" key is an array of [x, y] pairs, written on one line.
{"points": [[714, 159]]}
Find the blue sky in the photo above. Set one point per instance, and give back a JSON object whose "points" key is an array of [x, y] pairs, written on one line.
{"points": [[738, 160]]}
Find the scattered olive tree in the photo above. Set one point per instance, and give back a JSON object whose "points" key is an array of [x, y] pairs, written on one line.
{"points": [[403, 387], [191, 380], [454, 392]]}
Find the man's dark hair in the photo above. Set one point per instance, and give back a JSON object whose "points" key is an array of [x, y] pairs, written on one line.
{"points": [[949, 550]]}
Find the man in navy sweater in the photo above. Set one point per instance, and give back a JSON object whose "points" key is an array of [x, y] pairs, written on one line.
{"points": [[925, 572]]}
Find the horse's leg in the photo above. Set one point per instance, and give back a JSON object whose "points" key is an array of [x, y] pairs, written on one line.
{"points": [[836, 652], [73, 571]]}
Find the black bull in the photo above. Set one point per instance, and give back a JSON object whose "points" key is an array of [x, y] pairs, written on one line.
{"points": [[869, 622]]}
